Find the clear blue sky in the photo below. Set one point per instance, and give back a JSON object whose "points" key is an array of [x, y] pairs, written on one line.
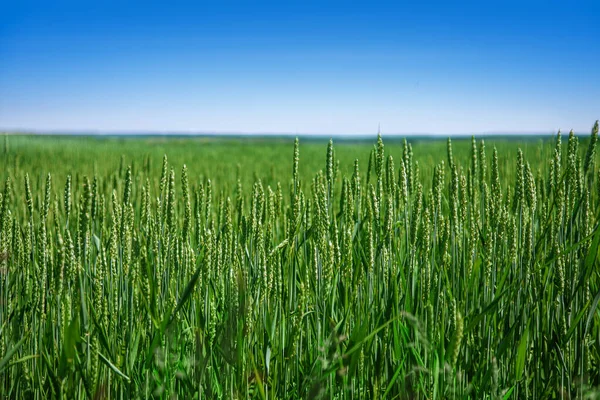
{"points": [[307, 67]]}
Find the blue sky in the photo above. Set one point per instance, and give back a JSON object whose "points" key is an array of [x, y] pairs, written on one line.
{"points": [[300, 67]]}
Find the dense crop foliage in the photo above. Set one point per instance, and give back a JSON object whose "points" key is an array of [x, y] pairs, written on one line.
{"points": [[272, 270]]}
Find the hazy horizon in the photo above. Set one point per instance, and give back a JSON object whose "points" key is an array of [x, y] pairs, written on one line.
{"points": [[317, 135], [300, 67]]}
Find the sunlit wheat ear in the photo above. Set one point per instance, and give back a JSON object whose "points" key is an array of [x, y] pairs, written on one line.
{"points": [[295, 163], [557, 160], [438, 186], [474, 171], [329, 169], [449, 153], [455, 198], [403, 186], [530, 190], [379, 158], [573, 186], [590, 156], [464, 202], [356, 180], [128, 186], [457, 325], [279, 205], [187, 216], [83, 236], [343, 198], [28, 197], [520, 182], [163, 181], [410, 169], [270, 205], [513, 235], [347, 256], [349, 205], [496, 187], [482, 163], [94, 200], [47, 193], [406, 155], [171, 203], [416, 214], [390, 181]]}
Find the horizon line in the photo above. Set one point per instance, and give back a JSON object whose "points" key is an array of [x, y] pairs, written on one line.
{"points": [[214, 133]]}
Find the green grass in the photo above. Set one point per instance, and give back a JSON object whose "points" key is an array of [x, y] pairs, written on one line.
{"points": [[425, 275]]}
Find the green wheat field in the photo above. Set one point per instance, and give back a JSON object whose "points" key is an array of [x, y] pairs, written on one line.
{"points": [[257, 268]]}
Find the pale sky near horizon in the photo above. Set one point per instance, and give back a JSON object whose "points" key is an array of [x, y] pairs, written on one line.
{"points": [[300, 67]]}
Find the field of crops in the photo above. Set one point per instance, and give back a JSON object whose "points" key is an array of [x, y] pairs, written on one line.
{"points": [[253, 268]]}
